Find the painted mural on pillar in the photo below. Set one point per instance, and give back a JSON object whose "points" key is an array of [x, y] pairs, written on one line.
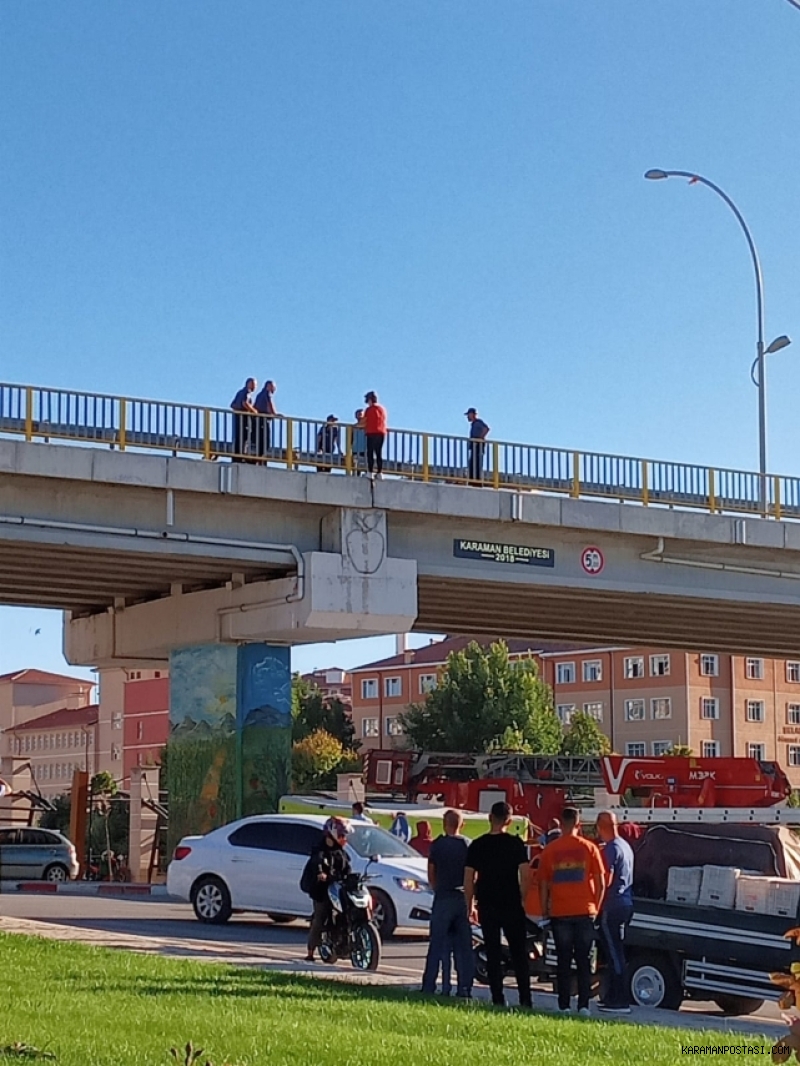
{"points": [[229, 748], [265, 723]]}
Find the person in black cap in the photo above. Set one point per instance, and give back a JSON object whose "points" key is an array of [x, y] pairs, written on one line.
{"points": [[478, 432], [328, 441]]}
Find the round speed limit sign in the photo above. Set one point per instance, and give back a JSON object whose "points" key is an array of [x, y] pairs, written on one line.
{"points": [[592, 560]]}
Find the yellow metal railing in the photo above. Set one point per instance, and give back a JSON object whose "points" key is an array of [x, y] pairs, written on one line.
{"points": [[44, 414]]}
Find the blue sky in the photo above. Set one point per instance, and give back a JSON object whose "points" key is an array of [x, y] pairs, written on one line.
{"points": [[442, 201]]}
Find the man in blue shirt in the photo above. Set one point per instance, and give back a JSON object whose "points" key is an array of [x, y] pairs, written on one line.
{"points": [[450, 930], [616, 911], [478, 432], [242, 405]]}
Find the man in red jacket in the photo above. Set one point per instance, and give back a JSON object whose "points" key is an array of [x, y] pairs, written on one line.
{"points": [[375, 427]]}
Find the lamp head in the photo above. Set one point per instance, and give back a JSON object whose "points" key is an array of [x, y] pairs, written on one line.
{"points": [[780, 342], [656, 175]]}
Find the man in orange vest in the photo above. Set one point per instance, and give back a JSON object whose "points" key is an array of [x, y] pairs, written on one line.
{"points": [[572, 882]]}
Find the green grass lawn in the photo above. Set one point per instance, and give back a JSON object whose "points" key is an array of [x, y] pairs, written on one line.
{"points": [[101, 1007], [473, 827]]}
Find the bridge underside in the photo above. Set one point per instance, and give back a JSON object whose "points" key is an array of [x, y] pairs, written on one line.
{"points": [[490, 608], [85, 579]]}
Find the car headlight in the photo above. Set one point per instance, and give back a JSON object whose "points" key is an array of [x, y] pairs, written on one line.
{"points": [[411, 884]]}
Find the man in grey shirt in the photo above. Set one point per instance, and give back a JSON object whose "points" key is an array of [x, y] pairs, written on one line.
{"points": [[450, 928]]}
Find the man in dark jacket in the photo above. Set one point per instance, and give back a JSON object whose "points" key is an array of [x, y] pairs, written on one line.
{"points": [[329, 863]]}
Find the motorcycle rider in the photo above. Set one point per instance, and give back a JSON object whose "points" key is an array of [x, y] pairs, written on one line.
{"points": [[330, 863]]}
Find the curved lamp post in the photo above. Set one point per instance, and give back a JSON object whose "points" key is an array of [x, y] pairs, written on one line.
{"points": [[780, 342]]}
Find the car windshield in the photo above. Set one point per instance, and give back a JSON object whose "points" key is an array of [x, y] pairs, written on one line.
{"points": [[368, 840]]}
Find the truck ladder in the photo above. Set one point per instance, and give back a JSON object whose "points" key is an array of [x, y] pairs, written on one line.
{"points": [[699, 815]]}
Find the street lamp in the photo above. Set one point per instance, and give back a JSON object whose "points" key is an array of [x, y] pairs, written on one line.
{"points": [[761, 351]]}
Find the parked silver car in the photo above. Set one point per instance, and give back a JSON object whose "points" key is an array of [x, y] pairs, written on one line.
{"points": [[36, 855]]}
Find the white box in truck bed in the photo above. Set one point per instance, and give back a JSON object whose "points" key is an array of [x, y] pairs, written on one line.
{"points": [[683, 884]]}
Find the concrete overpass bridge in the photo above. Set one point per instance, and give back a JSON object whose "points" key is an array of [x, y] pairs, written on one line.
{"points": [[126, 514]]}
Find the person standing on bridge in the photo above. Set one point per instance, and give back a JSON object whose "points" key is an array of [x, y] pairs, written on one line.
{"points": [[376, 428], [478, 432], [265, 405], [242, 405], [617, 910]]}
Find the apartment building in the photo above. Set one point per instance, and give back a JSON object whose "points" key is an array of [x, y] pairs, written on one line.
{"points": [[55, 745], [645, 699], [383, 690], [332, 683]]}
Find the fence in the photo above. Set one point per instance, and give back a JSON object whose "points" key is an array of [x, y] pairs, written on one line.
{"points": [[307, 444]]}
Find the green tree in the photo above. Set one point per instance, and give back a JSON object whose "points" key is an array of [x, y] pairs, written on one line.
{"points": [[682, 750], [480, 697], [311, 710], [315, 761], [583, 736]]}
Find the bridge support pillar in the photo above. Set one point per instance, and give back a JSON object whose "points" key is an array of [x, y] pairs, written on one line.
{"points": [[229, 748]]}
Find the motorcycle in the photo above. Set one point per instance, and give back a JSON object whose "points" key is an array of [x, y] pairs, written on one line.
{"points": [[535, 936], [350, 929]]}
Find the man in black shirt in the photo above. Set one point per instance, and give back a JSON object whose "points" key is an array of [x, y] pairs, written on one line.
{"points": [[495, 876]]}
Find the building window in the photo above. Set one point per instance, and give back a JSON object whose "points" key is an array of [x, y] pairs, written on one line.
{"points": [[58, 740], [369, 728], [156, 673], [709, 665], [709, 707], [755, 710], [754, 669], [661, 747], [710, 749], [595, 710], [39, 743], [637, 748], [427, 683], [634, 711], [793, 754], [116, 720], [369, 688], [793, 713], [633, 667], [793, 671], [661, 707], [115, 751], [757, 751], [659, 665], [392, 687], [140, 730], [565, 712], [565, 673], [393, 727], [592, 670]]}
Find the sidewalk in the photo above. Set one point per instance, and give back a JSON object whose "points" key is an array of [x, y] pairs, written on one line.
{"points": [[84, 888]]}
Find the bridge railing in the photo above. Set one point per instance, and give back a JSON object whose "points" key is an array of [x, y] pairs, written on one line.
{"points": [[45, 414]]}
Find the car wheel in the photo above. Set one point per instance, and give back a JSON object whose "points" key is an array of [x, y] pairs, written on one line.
{"points": [[738, 1004], [56, 872], [654, 983], [211, 901], [383, 913], [280, 919]]}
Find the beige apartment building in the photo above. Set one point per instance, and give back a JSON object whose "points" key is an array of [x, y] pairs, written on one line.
{"points": [[54, 746], [645, 699]]}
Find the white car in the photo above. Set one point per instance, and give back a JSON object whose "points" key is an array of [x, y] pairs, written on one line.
{"points": [[255, 864]]}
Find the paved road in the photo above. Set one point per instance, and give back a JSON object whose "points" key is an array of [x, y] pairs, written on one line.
{"points": [[168, 928]]}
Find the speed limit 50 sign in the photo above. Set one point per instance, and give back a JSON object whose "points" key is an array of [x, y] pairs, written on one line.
{"points": [[592, 560]]}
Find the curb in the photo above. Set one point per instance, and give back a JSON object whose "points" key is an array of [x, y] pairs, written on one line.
{"points": [[88, 888]]}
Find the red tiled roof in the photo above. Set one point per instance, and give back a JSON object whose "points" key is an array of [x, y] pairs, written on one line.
{"points": [[42, 677], [80, 716], [436, 653]]}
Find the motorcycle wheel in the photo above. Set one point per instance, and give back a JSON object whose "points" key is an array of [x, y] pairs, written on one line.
{"points": [[479, 959], [365, 951], [327, 952]]}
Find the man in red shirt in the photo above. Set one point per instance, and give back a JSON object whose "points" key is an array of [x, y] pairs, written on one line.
{"points": [[572, 881], [375, 427]]}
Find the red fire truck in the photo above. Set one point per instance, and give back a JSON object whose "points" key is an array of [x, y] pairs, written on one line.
{"points": [[539, 786]]}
